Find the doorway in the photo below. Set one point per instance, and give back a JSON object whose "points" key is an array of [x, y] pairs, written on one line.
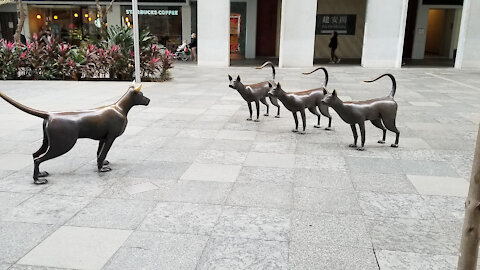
{"points": [[440, 32]]}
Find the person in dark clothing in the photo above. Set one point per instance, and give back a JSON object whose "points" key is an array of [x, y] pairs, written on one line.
{"points": [[193, 46], [333, 46]]}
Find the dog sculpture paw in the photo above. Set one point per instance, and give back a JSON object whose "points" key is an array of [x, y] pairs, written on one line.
{"points": [[360, 148], [394, 145], [265, 114], [352, 145], [105, 169], [40, 181], [277, 116], [381, 141], [317, 126], [43, 174], [249, 119], [295, 130], [328, 128], [302, 132], [106, 162], [256, 120]]}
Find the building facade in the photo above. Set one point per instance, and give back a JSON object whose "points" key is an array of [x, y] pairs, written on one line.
{"points": [[377, 33]]}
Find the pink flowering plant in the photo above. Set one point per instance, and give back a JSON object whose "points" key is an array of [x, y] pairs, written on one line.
{"points": [[109, 59]]}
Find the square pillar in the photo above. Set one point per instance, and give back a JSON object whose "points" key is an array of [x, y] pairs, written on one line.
{"points": [[213, 37], [468, 53], [114, 16], [186, 23], [297, 33], [384, 33]]}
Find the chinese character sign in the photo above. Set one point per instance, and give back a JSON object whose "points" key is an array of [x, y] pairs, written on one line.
{"points": [[342, 23]]}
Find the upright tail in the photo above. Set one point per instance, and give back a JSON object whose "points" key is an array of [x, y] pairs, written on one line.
{"points": [[324, 71], [268, 63], [394, 83], [24, 108]]}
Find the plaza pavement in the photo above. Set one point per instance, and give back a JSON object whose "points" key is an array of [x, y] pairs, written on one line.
{"points": [[195, 186]]}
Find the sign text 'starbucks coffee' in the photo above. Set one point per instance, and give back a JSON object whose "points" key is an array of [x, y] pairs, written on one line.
{"points": [[155, 12]]}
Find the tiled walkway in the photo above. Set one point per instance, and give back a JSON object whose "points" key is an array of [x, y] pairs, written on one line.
{"points": [[195, 186]]}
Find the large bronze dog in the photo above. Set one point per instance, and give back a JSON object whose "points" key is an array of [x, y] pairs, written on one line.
{"points": [[257, 92], [62, 129], [299, 101], [376, 110]]}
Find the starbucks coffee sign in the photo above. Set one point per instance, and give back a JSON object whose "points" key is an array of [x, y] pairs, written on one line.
{"points": [[155, 12]]}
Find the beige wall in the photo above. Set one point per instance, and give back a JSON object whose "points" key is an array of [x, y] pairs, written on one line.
{"points": [[349, 46]]}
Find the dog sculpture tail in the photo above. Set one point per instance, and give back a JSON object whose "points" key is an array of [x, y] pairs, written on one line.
{"points": [[24, 108], [324, 71], [268, 63], [394, 83]]}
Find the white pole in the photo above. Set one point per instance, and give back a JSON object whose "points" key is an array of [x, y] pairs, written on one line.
{"points": [[136, 37]]}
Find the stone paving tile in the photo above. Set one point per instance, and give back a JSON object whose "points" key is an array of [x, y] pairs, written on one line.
{"points": [[112, 214], [174, 155], [186, 218], [253, 223], [270, 160], [394, 205], [377, 182], [322, 179], [75, 185], [18, 238], [208, 192], [446, 208], [12, 161], [437, 185], [240, 253], [252, 174], [414, 261], [230, 145], [411, 235], [328, 229], [325, 200], [77, 248], [221, 157], [211, 172], [153, 250], [120, 189], [319, 256], [268, 195], [157, 170], [47, 209], [373, 165], [236, 135], [9, 200]]}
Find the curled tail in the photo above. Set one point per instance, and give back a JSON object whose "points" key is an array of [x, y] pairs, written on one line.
{"points": [[394, 83], [324, 71], [268, 63], [24, 108]]}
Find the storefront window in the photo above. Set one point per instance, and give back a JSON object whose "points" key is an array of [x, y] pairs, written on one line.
{"points": [[164, 22]]}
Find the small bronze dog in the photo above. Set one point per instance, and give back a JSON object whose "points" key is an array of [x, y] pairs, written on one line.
{"points": [[299, 101], [376, 110], [257, 93], [62, 129]]}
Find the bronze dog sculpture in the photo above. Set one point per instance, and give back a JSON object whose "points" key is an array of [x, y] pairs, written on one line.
{"points": [[299, 101], [62, 129], [376, 110], [257, 93]]}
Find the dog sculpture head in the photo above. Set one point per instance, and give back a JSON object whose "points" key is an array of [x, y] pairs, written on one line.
{"points": [[234, 84], [330, 99], [136, 96], [274, 89]]}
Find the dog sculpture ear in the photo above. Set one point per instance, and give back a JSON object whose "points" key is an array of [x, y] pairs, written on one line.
{"points": [[279, 86], [270, 85], [334, 93], [238, 77], [325, 91], [230, 77], [137, 89], [133, 83]]}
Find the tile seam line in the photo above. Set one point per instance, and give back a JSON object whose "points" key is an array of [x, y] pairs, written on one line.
{"points": [[453, 81]]}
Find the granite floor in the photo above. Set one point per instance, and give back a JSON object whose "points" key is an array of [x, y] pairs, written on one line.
{"points": [[195, 186]]}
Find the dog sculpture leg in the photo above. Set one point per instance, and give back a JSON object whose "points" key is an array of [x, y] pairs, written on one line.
{"points": [[390, 125], [257, 105], [314, 111], [296, 122], [58, 144], [324, 111], [355, 136], [41, 151], [361, 125], [378, 124], [275, 103], [103, 154], [250, 109], [264, 101], [304, 121], [100, 145]]}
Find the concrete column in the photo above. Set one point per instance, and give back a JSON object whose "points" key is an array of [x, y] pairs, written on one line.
{"points": [[251, 36], [297, 33], [384, 33], [213, 37], [26, 24], [114, 16], [186, 23], [468, 54], [420, 36]]}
